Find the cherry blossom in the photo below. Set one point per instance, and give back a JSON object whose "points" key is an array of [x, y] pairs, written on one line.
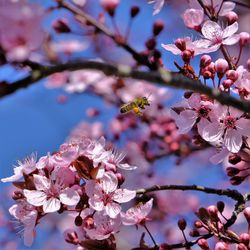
{"points": [[193, 18], [26, 34], [228, 124], [27, 166], [104, 195], [50, 195], [242, 84], [158, 4], [104, 226], [137, 215], [27, 215], [214, 36]]}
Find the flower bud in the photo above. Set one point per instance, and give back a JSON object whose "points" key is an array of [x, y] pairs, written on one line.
{"points": [[17, 195], [150, 43], [72, 238], [247, 214], [207, 74], [211, 67], [61, 26], [180, 44], [221, 66], [231, 17], [109, 6], [205, 61], [220, 206], [203, 244], [237, 180], [232, 75], [234, 159], [241, 246], [245, 238], [194, 233], [134, 11], [221, 246], [78, 221], [182, 224], [88, 222], [244, 38], [186, 56], [227, 83], [213, 211], [158, 27], [232, 171], [198, 224]]}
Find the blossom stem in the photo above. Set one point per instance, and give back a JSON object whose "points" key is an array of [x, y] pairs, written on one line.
{"points": [[227, 57], [239, 56], [150, 235]]}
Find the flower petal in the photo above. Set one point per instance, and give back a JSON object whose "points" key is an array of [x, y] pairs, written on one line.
{"points": [[233, 140], [69, 197], [51, 205], [211, 29], [212, 132], [34, 197], [172, 48], [41, 182], [226, 7], [124, 195], [230, 30], [96, 203], [113, 209]]}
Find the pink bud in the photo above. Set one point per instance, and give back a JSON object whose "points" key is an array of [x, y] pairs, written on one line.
{"points": [[211, 67], [186, 56], [221, 66], [207, 74], [245, 238], [248, 64], [110, 5], [227, 83], [242, 247], [120, 178], [231, 17], [88, 222], [221, 246], [244, 38], [158, 27], [203, 244], [247, 214], [232, 75], [213, 211], [205, 61], [180, 44], [234, 159], [198, 224]]}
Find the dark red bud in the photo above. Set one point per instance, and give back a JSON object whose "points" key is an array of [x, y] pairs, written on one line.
{"points": [[150, 43], [237, 180], [194, 233], [234, 159], [61, 26], [158, 27], [220, 206], [134, 11], [78, 221], [182, 224], [232, 171]]}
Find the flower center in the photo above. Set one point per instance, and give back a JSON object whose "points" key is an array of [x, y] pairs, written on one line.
{"points": [[229, 122], [203, 111]]}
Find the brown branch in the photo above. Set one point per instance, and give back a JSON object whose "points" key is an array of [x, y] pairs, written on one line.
{"points": [[162, 77], [120, 41]]}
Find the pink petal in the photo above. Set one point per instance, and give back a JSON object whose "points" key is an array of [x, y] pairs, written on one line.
{"points": [[41, 182], [233, 140], [96, 203], [109, 182], [220, 156], [203, 43], [194, 100], [232, 40], [212, 132], [243, 126], [51, 205], [18, 174], [124, 195], [146, 208], [172, 48], [126, 166], [69, 197], [113, 209], [35, 198], [211, 29], [230, 30], [29, 226], [226, 7], [128, 220]]}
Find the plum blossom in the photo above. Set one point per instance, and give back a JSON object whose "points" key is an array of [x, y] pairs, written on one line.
{"points": [[193, 18], [104, 226], [50, 195], [137, 215], [158, 4], [242, 84], [228, 124], [26, 34], [214, 36], [195, 111], [27, 166], [104, 195], [27, 215]]}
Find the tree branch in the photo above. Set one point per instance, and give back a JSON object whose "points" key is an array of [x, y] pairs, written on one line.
{"points": [[162, 77]]}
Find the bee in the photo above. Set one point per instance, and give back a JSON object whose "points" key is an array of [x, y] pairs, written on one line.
{"points": [[136, 106]]}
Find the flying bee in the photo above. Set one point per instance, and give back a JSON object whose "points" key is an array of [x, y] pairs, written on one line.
{"points": [[136, 106]]}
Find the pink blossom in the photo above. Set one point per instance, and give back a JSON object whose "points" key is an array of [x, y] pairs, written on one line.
{"points": [[69, 46], [242, 84], [193, 18], [137, 215], [27, 215], [79, 2], [214, 36], [104, 226], [193, 46], [50, 194], [158, 4], [195, 111], [26, 34], [27, 166], [227, 124], [104, 195]]}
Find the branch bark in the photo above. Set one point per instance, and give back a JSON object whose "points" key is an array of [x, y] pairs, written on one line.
{"points": [[162, 77]]}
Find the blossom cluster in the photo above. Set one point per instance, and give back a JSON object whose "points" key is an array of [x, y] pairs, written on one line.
{"points": [[81, 177]]}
